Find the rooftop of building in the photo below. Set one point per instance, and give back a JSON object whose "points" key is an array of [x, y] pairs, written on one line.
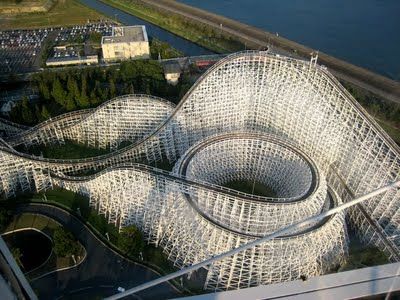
{"points": [[171, 67], [126, 34]]}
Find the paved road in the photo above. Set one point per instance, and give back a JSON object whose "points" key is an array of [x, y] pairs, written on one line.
{"points": [[101, 273]]}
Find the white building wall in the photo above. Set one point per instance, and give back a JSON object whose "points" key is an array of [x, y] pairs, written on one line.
{"points": [[122, 51]]}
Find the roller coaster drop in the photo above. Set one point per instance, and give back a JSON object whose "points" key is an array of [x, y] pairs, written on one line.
{"points": [[285, 123]]}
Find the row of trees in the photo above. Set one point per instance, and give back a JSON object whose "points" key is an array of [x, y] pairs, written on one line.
{"points": [[130, 241], [68, 90], [385, 110]]}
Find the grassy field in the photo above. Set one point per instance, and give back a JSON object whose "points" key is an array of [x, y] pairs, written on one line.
{"points": [[69, 150], [388, 125], [39, 222], [385, 113], [64, 12], [391, 130], [25, 6]]}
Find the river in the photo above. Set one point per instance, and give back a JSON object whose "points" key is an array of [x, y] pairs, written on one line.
{"points": [[362, 32], [181, 44]]}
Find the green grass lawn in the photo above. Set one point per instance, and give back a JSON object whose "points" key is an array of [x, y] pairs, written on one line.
{"points": [[39, 222], [65, 12]]}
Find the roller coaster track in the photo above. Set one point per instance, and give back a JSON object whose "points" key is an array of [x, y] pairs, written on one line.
{"points": [[253, 116]]}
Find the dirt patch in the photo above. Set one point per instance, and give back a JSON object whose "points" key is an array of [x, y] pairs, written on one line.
{"points": [[26, 6]]}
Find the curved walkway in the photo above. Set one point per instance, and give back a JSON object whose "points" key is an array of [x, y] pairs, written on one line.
{"points": [[100, 274]]}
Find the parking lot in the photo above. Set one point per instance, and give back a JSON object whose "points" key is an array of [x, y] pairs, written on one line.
{"points": [[21, 50], [81, 33], [75, 41]]}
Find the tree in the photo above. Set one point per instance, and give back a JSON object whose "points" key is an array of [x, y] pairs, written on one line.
{"points": [[73, 90], [58, 93], [38, 114], [93, 98], [26, 111], [164, 49], [45, 114], [128, 71], [70, 103], [101, 92], [44, 89], [131, 240], [147, 87], [16, 253], [82, 88], [113, 90], [183, 90], [84, 99], [64, 243], [5, 219], [15, 113], [129, 89]]}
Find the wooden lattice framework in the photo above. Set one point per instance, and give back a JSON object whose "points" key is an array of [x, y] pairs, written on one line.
{"points": [[251, 114]]}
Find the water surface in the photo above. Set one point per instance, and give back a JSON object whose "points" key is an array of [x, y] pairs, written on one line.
{"points": [[362, 32]]}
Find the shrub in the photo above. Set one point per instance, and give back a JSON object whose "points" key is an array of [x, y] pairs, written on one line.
{"points": [[64, 243]]}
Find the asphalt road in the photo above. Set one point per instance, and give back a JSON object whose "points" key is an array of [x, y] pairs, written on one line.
{"points": [[100, 274]]}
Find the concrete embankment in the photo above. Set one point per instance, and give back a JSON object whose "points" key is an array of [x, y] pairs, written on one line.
{"points": [[381, 86]]}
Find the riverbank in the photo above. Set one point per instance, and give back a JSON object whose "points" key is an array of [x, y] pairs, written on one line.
{"points": [[161, 11], [198, 33]]}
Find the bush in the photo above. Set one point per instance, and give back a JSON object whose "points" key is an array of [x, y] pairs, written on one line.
{"points": [[64, 243], [5, 219], [163, 49], [131, 241]]}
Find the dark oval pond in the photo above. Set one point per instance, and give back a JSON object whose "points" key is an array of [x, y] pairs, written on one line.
{"points": [[34, 246]]}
